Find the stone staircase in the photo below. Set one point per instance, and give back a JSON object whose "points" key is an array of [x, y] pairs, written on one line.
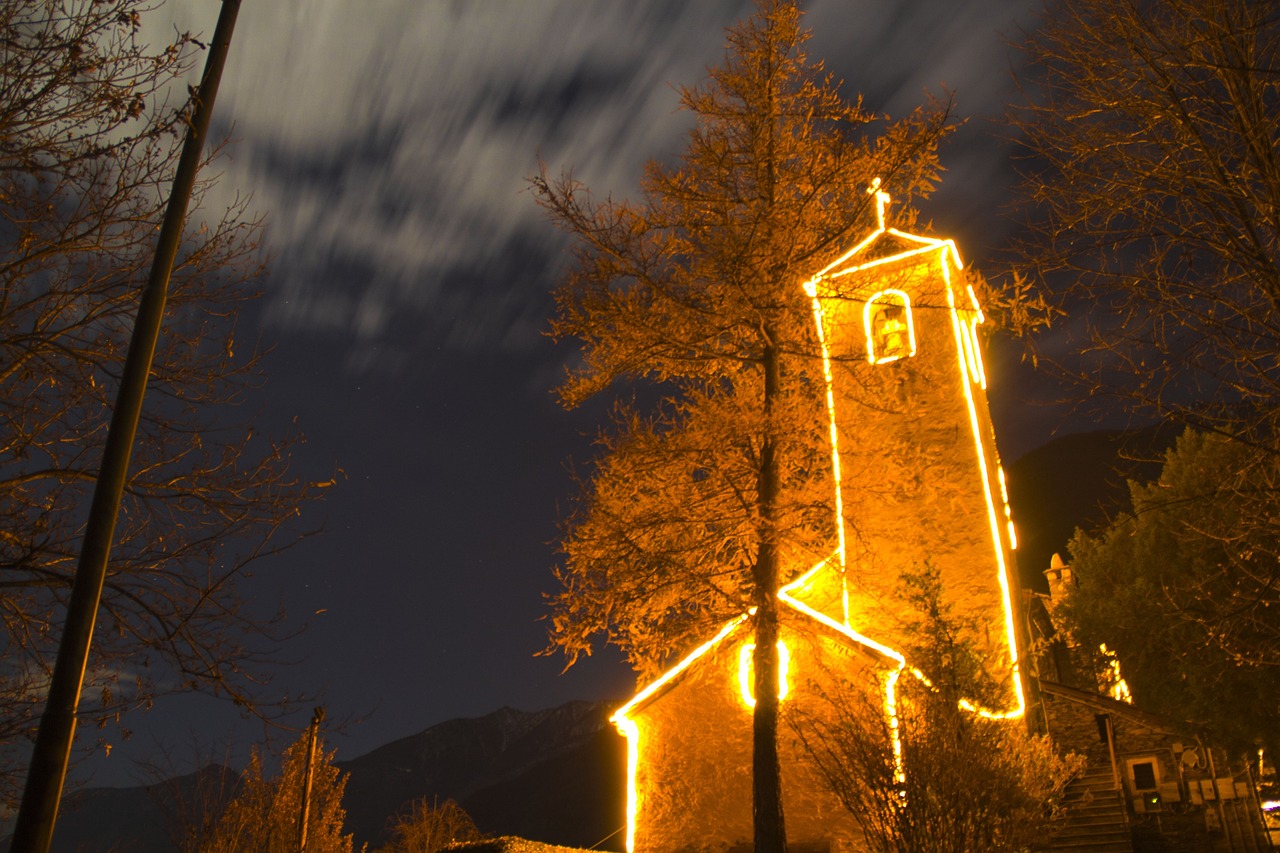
{"points": [[1096, 818]]}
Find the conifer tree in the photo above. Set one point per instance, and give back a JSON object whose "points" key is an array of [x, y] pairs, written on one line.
{"points": [[264, 814], [705, 501], [1185, 590]]}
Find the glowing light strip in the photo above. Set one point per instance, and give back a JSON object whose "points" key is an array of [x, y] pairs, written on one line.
{"points": [[631, 730], [878, 262], [811, 288], [891, 711], [968, 328], [993, 521], [746, 669], [1008, 511], [678, 668], [836, 626], [974, 320], [804, 579], [867, 331], [927, 243]]}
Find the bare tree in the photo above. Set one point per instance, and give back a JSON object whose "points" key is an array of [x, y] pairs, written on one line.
{"points": [[428, 826], [88, 142], [1154, 202]]}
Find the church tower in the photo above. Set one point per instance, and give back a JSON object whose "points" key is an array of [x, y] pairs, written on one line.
{"points": [[918, 479]]}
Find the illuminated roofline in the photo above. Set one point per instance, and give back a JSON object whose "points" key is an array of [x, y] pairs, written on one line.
{"points": [[784, 595], [680, 667]]}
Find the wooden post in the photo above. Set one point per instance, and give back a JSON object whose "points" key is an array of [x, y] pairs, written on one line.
{"points": [[308, 774]]}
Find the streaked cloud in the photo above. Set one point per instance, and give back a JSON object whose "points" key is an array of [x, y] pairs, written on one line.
{"points": [[390, 142]]}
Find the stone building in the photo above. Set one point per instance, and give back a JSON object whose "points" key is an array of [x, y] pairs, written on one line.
{"points": [[1150, 783], [917, 480]]}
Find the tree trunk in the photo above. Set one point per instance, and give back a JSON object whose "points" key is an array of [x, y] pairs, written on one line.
{"points": [[770, 831]]}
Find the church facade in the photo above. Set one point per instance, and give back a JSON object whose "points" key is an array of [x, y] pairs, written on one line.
{"points": [[917, 481]]}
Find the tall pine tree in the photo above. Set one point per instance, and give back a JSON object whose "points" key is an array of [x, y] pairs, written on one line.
{"points": [[705, 501]]}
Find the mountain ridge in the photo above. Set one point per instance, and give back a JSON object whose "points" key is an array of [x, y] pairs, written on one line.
{"points": [[509, 769]]}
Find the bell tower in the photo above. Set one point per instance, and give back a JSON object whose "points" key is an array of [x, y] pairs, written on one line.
{"points": [[918, 479]]}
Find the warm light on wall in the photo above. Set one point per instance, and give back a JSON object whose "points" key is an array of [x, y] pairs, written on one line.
{"points": [[1117, 688], [746, 672], [631, 730]]}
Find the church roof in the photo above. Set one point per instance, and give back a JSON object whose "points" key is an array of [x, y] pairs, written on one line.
{"points": [[814, 597]]}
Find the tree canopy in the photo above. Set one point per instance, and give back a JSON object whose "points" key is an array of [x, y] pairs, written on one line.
{"points": [[694, 292], [1154, 201], [265, 813], [1186, 591]]}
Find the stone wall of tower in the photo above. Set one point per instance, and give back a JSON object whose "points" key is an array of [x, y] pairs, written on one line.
{"points": [[918, 463]]}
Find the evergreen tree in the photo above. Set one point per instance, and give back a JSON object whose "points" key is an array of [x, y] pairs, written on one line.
{"points": [[957, 782], [705, 501], [1186, 590], [265, 814]]}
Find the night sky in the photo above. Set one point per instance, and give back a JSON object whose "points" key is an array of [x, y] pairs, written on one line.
{"points": [[388, 144]]}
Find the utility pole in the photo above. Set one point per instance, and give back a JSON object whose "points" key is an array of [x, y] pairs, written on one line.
{"points": [[308, 774], [38, 812]]}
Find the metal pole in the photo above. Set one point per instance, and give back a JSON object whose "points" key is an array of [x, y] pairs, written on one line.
{"points": [[308, 775], [38, 811]]}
